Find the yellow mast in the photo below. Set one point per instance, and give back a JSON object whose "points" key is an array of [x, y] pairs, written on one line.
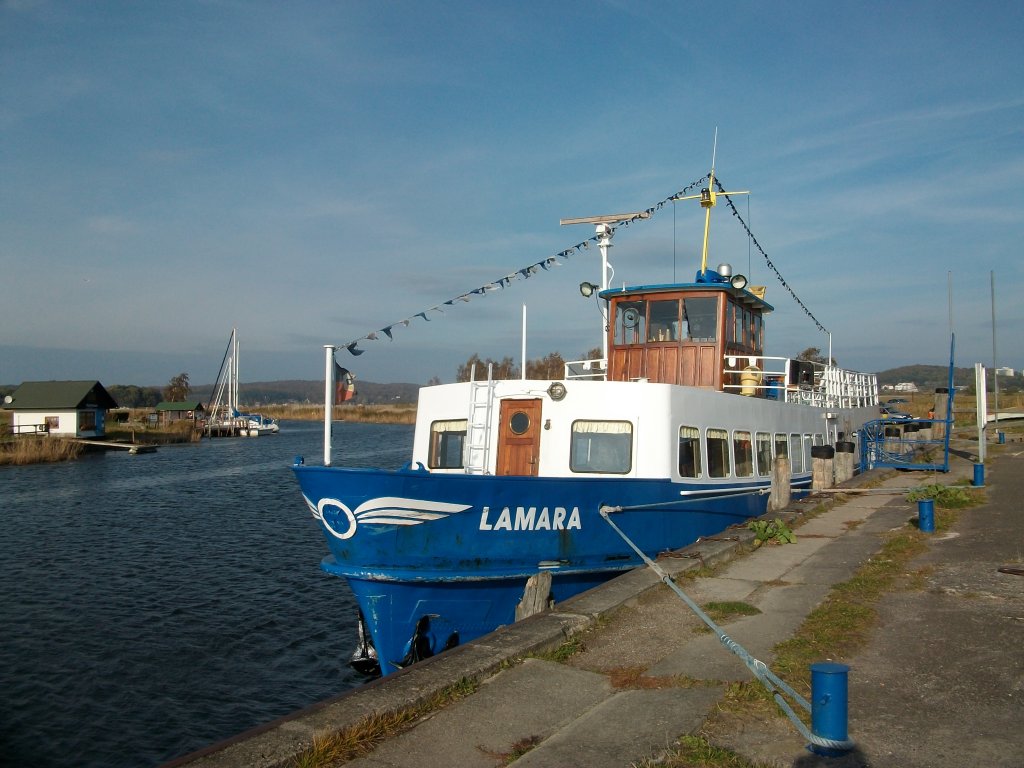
{"points": [[708, 199]]}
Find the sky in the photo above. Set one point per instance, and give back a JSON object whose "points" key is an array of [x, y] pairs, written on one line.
{"points": [[313, 172]]}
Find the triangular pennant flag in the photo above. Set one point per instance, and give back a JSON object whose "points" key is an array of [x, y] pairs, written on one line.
{"points": [[387, 332], [354, 350]]}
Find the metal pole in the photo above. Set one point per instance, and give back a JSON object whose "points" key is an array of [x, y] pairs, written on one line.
{"points": [[328, 399], [604, 242], [523, 353], [995, 364]]}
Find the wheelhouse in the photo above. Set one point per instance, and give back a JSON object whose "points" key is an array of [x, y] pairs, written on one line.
{"points": [[701, 334]]}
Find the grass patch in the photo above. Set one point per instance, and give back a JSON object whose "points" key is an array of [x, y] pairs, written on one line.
{"points": [[562, 653], [360, 739], [724, 612], [698, 752], [957, 496]]}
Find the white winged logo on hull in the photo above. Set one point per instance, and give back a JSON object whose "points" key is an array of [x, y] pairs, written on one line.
{"points": [[386, 510]]}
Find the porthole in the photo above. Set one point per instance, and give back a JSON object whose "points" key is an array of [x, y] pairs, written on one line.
{"points": [[519, 423]]}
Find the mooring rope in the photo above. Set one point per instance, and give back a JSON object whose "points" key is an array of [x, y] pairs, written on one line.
{"points": [[758, 668]]}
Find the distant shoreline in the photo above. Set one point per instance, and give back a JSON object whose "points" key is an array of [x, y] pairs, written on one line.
{"points": [[371, 414]]}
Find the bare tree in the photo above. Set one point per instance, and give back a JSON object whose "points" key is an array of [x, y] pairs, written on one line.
{"points": [[505, 369]]}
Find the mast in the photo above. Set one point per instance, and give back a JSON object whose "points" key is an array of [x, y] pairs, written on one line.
{"points": [[605, 232], [708, 199]]}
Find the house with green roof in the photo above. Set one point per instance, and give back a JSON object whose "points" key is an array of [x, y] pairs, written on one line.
{"points": [[169, 412], [59, 408]]}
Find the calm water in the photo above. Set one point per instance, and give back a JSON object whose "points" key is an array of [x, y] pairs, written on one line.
{"points": [[153, 604]]}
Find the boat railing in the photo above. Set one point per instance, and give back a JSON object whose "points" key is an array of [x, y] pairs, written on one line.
{"points": [[799, 381], [587, 369]]}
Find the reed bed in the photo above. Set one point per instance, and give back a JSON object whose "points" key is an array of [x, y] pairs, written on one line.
{"points": [[404, 413], [37, 450]]}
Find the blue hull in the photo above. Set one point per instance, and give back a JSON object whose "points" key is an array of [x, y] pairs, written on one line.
{"points": [[440, 559]]}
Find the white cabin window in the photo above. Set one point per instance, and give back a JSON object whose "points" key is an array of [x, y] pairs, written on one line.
{"points": [[807, 451], [689, 452], [447, 439], [743, 452], [718, 453], [796, 453], [601, 446], [781, 447], [764, 453]]}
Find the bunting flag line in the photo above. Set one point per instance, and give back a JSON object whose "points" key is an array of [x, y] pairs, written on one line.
{"points": [[771, 266], [524, 273]]}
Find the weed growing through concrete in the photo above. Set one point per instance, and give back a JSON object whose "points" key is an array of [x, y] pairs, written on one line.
{"points": [[698, 752], [565, 651], [333, 749]]}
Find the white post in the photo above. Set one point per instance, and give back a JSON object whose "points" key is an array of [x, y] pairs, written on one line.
{"points": [[328, 399], [981, 395], [523, 358], [604, 242]]}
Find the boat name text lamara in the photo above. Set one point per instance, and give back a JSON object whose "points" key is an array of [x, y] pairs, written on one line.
{"points": [[527, 519]]}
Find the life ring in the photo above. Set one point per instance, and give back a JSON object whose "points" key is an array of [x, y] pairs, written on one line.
{"points": [[750, 379]]}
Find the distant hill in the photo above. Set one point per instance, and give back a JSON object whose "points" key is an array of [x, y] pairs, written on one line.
{"points": [[264, 392], [926, 377]]}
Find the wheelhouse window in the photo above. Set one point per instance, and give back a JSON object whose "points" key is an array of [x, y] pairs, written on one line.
{"points": [[718, 453], [700, 315], [447, 439], [764, 454], [689, 452], [630, 322], [601, 446], [663, 322], [743, 450]]}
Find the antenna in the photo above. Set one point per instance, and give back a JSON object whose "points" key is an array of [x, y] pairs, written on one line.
{"points": [[708, 199]]}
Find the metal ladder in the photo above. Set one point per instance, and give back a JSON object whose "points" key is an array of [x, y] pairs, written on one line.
{"points": [[478, 423]]}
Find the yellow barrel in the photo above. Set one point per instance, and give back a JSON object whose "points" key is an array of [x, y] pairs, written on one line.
{"points": [[750, 378]]}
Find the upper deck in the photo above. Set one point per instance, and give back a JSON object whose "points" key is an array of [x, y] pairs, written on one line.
{"points": [[711, 334]]}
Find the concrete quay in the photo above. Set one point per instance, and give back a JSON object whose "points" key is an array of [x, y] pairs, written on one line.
{"points": [[939, 683]]}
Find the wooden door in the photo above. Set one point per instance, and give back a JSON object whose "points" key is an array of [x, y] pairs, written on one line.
{"points": [[519, 437]]}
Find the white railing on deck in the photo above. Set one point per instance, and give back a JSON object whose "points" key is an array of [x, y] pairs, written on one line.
{"points": [[587, 369], [777, 378]]}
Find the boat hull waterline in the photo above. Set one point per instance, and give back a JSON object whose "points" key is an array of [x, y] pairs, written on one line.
{"points": [[517, 526]]}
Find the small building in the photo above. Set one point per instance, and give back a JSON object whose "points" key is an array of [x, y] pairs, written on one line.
{"points": [[170, 413], [59, 408]]}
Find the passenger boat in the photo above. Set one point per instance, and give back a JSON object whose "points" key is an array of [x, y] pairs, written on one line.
{"points": [[678, 425]]}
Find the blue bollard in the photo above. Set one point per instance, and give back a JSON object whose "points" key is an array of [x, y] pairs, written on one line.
{"points": [[926, 515], [829, 691], [979, 475], [1001, 437]]}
